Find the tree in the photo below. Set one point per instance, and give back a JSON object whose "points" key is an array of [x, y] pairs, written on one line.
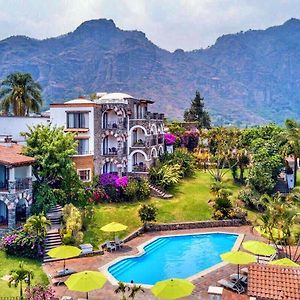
{"points": [[38, 225], [20, 275], [132, 290], [20, 94], [291, 140], [147, 213], [196, 113], [53, 169]]}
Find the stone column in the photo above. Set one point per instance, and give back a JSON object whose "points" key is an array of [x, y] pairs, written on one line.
{"points": [[11, 215], [11, 181]]}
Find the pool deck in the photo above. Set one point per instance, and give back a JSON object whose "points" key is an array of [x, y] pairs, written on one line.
{"points": [[107, 292]]}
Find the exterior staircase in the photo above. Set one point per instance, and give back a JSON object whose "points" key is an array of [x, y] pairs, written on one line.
{"points": [[53, 238], [159, 192]]}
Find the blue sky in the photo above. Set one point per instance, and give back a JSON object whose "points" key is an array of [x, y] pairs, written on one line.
{"points": [[171, 24]]}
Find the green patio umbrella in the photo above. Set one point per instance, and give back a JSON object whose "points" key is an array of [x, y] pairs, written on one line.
{"points": [[238, 258], [284, 262], [259, 248], [114, 227], [173, 288], [85, 282], [64, 252]]}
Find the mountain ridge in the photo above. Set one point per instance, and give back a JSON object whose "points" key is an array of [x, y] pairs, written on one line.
{"points": [[246, 78]]}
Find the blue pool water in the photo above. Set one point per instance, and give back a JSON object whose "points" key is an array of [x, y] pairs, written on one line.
{"points": [[176, 256]]}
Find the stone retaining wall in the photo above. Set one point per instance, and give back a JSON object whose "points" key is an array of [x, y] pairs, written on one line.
{"points": [[185, 225]]}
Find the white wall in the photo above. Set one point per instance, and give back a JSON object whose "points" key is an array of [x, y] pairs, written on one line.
{"points": [[15, 125], [58, 116]]}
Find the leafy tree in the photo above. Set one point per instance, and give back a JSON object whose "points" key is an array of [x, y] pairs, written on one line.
{"points": [[21, 94], [147, 213], [132, 290], [196, 113], [57, 180], [20, 275], [38, 225], [291, 142]]}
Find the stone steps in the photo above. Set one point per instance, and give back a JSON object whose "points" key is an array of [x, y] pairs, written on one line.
{"points": [[159, 192], [53, 238]]}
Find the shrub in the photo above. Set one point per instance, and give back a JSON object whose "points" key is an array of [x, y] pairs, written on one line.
{"points": [[137, 189], [72, 224], [251, 198], [170, 139], [190, 139], [222, 208], [165, 175], [147, 213], [39, 292]]}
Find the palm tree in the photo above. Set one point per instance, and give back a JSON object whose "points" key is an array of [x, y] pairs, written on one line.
{"points": [[291, 143], [18, 276], [135, 289], [38, 225], [122, 288], [20, 94]]}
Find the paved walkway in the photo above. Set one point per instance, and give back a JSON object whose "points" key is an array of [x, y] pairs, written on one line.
{"points": [[107, 292]]}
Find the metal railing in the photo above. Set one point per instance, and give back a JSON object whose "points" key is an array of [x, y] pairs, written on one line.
{"points": [[22, 184]]}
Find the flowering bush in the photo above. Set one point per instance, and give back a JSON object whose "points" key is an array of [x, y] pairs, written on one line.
{"points": [[190, 139], [122, 182], [170, 139], [22, 243], [39, 292], [108, 179]]}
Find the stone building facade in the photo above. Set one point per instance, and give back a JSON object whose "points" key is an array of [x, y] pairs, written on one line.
{"points": [[123, 136], [15, 186]]}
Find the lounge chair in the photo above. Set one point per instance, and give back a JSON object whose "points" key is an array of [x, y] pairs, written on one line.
{"points": [[242, 278], [119, 243], [66, 298], [244, 270], [65, 272], [236, 287], [110, 246], [266, 259]]}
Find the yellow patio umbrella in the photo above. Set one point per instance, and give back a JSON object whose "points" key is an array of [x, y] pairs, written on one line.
{"points": [[173, 288], [284, 262], [114, 227], [238, 258], [64, 252], [259, 248], [85, 282]]}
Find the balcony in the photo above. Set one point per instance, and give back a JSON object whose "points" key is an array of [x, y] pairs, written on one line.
{"points": [[113, 151], [3, 186], [138, 144], [140, 168], [18, 185]]}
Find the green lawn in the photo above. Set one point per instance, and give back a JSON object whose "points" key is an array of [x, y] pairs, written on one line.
{"points": [[8, 262], [190, 203]]}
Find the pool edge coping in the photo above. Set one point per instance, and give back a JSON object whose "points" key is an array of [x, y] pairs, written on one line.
{"points": [[141, 251]]}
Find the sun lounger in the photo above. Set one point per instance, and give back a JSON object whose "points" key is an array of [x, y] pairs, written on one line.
{"points": [[118, 243], [110, 246], [236, 287], [242, 278], [66, 298], [244, 270], [86, 248], [65, 272], [59, 281], [266, 259]]}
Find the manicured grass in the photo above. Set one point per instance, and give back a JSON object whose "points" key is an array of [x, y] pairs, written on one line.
{"points": [[8, 263], [190, 203]]}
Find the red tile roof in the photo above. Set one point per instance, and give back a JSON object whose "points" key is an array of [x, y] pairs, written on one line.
{"points": [[11, 156], [274, 282]]}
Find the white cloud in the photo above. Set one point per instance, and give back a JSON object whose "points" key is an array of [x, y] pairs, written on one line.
{"points": [[171, 24]]}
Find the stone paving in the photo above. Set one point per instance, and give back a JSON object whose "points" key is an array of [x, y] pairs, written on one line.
{"points": [[107, 292]]}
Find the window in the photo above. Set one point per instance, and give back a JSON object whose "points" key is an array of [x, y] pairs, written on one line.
{"points": [[83, 147], [85, 175], [77, 120], [104, 120]]}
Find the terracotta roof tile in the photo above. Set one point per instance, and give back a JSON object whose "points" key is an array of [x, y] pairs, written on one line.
{"points": [[274, 282], [11, 156]]}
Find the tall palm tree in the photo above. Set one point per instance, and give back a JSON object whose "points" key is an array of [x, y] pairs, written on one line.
{"points": [[38, 225], [20, 94], [291, 142], [18, 276]]}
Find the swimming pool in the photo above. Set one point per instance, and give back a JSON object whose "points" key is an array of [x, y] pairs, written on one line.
{"points": [[180, 256]]}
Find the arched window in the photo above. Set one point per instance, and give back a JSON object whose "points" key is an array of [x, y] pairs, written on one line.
{"points": [[104, 120]]}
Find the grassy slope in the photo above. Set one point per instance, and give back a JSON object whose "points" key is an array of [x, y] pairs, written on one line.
{"points": [[190, 203], [8, 263]]}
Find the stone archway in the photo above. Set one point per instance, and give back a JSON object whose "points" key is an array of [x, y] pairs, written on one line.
{"points": [[3, 215], [21, 210]]}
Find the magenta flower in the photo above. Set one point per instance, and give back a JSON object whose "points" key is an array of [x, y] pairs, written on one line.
{"points": [[170, 139]]}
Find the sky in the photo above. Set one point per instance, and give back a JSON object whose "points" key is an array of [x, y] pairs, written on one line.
{"points": [[170, 24]]}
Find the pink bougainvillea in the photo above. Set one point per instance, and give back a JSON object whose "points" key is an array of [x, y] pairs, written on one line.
{"points": [[170, 139]]}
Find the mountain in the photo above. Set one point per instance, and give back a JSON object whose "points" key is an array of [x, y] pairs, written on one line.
{"points": [[246, 78]]}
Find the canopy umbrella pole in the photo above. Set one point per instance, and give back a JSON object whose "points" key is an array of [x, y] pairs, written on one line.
{"points": [[64, 265], [87, 295], [238, 272]]}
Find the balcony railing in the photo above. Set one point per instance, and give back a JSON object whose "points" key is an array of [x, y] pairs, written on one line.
{"points": [[82, 152], [3, 185], [114, 151], [139, 143], [153, 142], [114, 125], [139, 168], [22, 184]]}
